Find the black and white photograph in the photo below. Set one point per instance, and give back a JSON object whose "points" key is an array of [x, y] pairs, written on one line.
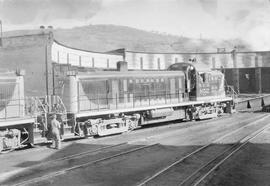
{"points": [[135, 92]]}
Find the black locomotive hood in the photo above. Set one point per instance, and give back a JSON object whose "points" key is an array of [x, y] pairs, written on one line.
{"points": [[199, 67]]}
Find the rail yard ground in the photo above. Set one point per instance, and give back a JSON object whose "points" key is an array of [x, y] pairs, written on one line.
{"points": [[161, 155]]}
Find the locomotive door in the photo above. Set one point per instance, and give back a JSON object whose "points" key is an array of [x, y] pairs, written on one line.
{"points": [[146, 93], [115, 94], [10, 100], [172, 90]]}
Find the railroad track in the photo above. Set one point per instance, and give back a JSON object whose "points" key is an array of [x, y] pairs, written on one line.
{"points": [[176, 125], [143, 129], [70, 158], [126, 150], [202, 172]]}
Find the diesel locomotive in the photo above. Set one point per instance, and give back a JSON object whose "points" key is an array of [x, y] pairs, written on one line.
{"points": [[16, 124], [108, 102], [105, 102]]}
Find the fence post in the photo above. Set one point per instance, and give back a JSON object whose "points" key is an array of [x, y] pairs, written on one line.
{"points": [[248, 105], [262, 103]]}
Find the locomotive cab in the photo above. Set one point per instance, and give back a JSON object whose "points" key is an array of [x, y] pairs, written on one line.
{"points": [[201, 81], [190, 76], [204, 86]]}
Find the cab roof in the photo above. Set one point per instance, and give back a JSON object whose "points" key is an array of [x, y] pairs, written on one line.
{"points": [[199, 67]]}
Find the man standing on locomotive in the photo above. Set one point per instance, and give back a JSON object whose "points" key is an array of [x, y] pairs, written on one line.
{"points": [[55, 131]]}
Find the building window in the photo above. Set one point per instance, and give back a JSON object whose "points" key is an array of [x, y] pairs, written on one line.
{"points": [[108, 63], [158, 62], [67, 58], [80, 61], [93, 62], [213, 62], [141, 62]]}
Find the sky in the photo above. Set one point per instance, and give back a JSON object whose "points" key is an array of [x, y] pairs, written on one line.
{"points": [[214, 19]]}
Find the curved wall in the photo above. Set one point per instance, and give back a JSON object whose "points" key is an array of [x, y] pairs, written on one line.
{"points": [[62, 54]]}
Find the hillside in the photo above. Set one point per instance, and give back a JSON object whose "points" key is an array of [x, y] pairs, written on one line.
{"points": [[110, 37]]}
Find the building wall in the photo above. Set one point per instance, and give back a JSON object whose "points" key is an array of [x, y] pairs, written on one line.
{"points": [[28, 52], [213, 60], [237, 65], [151, 60], [62, 54], [265, 76]]}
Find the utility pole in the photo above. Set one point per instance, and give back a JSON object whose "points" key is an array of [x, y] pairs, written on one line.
{"points": [[46, 70], [1, 34], [53, 80]]}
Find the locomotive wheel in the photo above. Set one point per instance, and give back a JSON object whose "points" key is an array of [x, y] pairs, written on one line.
{"points": [[131, 124], [94, 130], [30, 145]]}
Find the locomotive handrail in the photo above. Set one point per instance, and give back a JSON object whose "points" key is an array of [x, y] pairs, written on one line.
{"points": [[143, 100], [33, 104], [63, 105], [10, 103], [231, 91]]}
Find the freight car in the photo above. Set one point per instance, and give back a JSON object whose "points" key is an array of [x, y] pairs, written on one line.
{"points": [[16, 126], [109, 102]]}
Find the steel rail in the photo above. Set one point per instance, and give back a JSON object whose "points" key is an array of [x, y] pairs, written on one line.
{"points": [[77, 155], [63, 171], [232, 148], [69, 157], [197, 150], [243, 142], [174, 124], [187, 180]]}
